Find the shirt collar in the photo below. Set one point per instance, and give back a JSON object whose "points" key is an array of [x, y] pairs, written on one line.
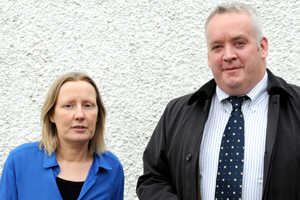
{"points": [[50, 161], [259, 91], [99, 162], [255, 94], [276, 85], [220, 94]]}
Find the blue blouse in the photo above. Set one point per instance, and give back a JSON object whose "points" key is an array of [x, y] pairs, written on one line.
{"points": [[29, 173]]}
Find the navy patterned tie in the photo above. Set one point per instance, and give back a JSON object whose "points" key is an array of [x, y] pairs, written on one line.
{"points": [[231, 159]]}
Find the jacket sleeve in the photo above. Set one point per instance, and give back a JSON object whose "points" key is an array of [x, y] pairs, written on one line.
{"points": [[8, 188], [119, 185], [157, 181]]}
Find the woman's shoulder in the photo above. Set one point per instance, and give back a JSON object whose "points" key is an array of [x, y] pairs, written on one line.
{"points": [[24, 148], [111, 158]]}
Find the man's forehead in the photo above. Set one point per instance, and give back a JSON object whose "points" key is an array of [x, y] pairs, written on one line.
{"points": [[221, 16], [228, 21]]}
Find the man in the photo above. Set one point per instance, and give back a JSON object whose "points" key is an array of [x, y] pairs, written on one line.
{"points": [[183, 158]]}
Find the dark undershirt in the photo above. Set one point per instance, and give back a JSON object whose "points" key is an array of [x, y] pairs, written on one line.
{"points": [[69, 190]]}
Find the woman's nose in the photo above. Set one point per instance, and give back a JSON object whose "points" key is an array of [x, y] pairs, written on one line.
{"points": [[79, 115]]}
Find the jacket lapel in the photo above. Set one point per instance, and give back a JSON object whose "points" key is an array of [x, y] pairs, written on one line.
{"points": [[277, 87], [273, 115]]}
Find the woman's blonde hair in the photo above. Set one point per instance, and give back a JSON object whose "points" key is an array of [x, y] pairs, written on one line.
{"points": [[49, 132]]}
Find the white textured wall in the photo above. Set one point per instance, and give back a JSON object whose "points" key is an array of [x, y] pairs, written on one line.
{"points": [[140, 53]]}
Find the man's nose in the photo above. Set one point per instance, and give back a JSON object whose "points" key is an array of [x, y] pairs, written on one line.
{"points": [[229, 54]]}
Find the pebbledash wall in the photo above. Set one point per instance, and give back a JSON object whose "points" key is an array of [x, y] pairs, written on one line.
{"points": [[141, 53]]}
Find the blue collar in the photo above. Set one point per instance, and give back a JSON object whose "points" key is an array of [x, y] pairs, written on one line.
{"points": [[99, 162]]}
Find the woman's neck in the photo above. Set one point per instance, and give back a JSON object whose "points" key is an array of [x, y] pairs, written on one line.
{"points": [[72, 153], [74, 162]]}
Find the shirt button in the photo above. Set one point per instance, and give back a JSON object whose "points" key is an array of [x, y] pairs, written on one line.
{"points": [[189, 157]]}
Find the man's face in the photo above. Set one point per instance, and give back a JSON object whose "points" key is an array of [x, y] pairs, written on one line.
{"points": [[236, 60]]}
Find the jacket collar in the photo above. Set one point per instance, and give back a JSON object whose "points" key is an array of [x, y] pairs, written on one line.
{"points": [[276, 85], [205, 92]]}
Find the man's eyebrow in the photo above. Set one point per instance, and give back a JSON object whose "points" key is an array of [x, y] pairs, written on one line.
{"points": [[239, 37], [214, 42]]}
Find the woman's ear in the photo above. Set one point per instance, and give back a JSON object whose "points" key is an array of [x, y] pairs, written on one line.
{"points": [[51, 118]]}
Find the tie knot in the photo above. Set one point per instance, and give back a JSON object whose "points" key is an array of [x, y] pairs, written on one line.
{"points": [[237, 101]]}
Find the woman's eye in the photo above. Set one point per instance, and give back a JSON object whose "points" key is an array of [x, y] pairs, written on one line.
{"points": [[68, 105], [88, 105]]}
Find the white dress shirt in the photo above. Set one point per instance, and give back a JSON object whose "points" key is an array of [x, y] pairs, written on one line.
{"points": [[255, 112]]}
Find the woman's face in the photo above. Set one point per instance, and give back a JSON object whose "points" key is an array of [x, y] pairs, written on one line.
{"points": [[75, 113]]}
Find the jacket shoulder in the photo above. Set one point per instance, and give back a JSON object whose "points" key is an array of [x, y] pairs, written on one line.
{"points": [[295, 90], [24, 148], [179, 101], [111, 158]]}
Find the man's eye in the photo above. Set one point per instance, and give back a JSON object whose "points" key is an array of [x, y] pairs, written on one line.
{"points": [[216, 47], [240, 43]]}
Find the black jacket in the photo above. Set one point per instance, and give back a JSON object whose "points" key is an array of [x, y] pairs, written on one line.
{"points": [[171, 156]]}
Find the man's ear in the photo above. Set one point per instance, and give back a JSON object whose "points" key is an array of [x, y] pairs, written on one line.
{"points": [[208, 63], [264, 47]]}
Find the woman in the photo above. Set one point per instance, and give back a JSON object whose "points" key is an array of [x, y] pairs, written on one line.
{"points": [[70, 162]]}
